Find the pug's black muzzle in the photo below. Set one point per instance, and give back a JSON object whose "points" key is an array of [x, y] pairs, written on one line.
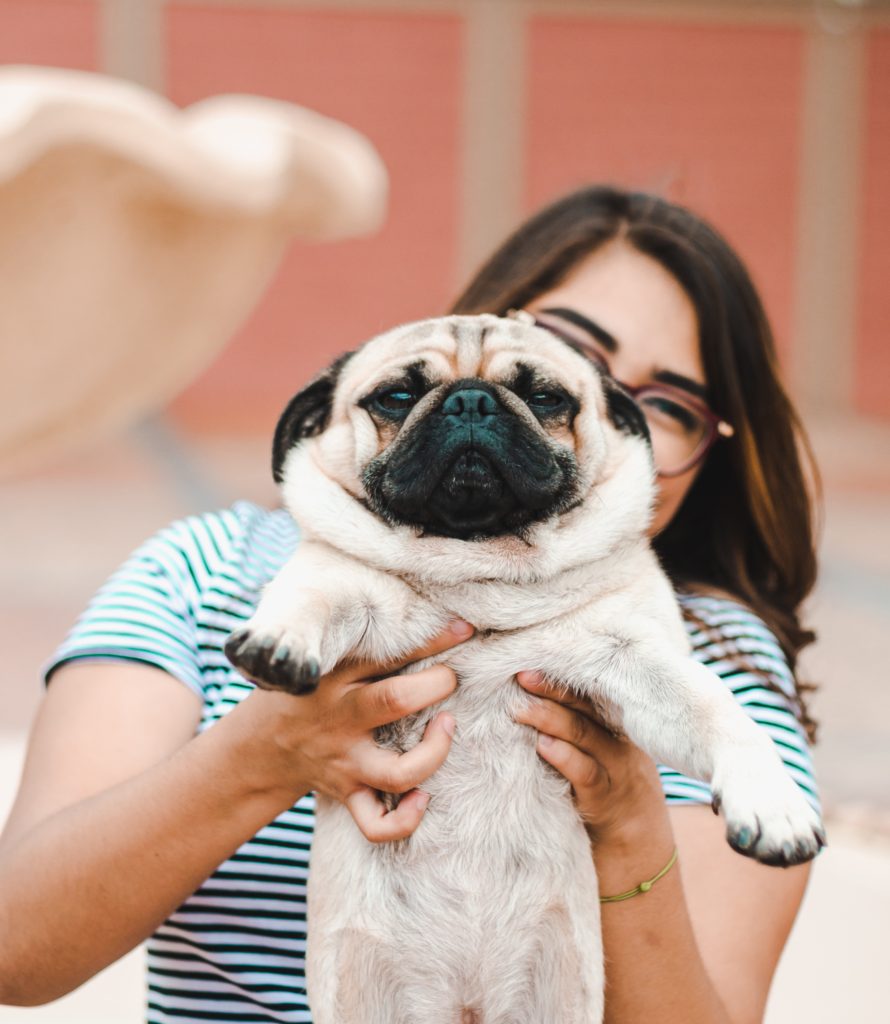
{"points": [[471, 468]]}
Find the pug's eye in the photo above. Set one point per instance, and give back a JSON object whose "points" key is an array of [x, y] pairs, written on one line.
{"points": [[546, 400], [395, 400]]}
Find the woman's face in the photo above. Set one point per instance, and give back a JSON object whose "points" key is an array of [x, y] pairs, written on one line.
{"points": [[638, 319]]}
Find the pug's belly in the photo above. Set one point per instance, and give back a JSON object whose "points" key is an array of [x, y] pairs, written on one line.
{"points": [[495, 882], [473, 910], [498, 814], [500, 848]]}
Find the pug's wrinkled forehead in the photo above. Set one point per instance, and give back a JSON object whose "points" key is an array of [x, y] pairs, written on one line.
{"points": [[461, 348]]}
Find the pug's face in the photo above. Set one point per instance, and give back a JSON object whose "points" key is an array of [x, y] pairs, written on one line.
{"points": [[467, 427]]}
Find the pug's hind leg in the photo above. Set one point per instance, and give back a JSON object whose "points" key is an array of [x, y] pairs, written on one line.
{"points": [[545, 970], [367, 982]]}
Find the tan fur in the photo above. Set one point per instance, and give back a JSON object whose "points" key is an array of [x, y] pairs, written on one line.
{"points": [[489, 912]]}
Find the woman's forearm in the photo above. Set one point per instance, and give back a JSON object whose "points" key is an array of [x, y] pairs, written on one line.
{"points": [[654, 971], [92, 881], [80, 887]]}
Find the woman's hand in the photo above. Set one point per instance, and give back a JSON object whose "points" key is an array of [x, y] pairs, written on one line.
{"points": [[616, 785], [324, 741]]}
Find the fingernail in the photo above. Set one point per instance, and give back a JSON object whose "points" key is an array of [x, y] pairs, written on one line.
{"points": [[461, 628], [422, 799], [530, 678], [448, 724], [544, 740]]}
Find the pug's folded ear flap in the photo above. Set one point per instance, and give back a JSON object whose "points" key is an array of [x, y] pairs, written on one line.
{"points": [[623, 411], [307, 414]]}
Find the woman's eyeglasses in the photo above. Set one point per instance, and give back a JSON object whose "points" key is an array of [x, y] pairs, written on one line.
{"points": [[683, 429]]}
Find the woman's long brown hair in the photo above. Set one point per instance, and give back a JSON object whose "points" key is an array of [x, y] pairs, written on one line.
{"points": [[746, 525]]}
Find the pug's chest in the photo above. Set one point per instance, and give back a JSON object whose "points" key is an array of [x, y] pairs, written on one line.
{"points": [[483, 704], [493, 761]]}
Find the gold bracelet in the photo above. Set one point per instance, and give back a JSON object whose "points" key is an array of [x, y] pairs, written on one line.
{"points": [[643, 886]]}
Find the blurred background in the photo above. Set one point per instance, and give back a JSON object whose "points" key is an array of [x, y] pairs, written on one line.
{"points": [[771, 118]]}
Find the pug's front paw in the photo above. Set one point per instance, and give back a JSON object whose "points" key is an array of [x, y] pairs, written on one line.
{"points": [[768, 818], [274, 661]]}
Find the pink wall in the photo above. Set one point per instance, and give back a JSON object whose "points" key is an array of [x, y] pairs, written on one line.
{"points": [[395, 77], [873, 327], [708, 115], [59, 32]]}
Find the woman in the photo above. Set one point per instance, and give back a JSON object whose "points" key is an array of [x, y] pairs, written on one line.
{"points": [[124, 812]]}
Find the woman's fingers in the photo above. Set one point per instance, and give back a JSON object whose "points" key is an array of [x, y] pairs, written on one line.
{"points": [[379, 825], [388, 700], [454, 634], [603, 732], [401, 773], [564, 722], [581, 770], [568, 741], [611, 779], [535, 683], [572, 742], [392, 772]]}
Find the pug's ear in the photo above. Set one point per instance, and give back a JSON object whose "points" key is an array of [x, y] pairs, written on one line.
{"points": [[307, 414], [623, 411]]}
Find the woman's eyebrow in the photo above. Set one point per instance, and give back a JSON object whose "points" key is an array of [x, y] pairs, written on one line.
{"points": [[592, 328], [677, 380]]}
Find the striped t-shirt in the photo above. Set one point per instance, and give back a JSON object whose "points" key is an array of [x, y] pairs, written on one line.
{"points": [[234, 951]]}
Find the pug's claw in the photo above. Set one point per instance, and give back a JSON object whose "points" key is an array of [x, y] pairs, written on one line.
{"points": [[270, 661], [743, 838], [783, 831], [235, 642], [280, 654]]}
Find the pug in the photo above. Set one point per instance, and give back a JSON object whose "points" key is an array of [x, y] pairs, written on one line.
{"points": [[480, 468]]}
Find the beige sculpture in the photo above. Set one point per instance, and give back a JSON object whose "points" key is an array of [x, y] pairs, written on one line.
{"points": [[135, 237]]}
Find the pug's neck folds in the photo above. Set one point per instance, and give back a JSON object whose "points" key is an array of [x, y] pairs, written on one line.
{"points": [[614, 518]]}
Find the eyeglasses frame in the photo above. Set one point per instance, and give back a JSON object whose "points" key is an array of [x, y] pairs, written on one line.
{"points": [[716, 427]]}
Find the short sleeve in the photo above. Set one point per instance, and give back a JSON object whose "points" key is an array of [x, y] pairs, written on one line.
{"points": [[145, 612], [738, 647], [174, 601]]}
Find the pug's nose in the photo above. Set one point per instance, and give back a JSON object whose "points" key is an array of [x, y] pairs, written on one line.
{"points": [[470, 405]]}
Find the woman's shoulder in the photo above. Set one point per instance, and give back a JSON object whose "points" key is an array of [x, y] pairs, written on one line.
{"points": [[716, 609], [734, 642], [712, 601], [181, 592], [245, 540], [230, 527], [731, 638]]}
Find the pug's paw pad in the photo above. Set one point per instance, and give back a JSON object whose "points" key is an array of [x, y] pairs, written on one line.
{"points": [[774, 825], [273, 661]]}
